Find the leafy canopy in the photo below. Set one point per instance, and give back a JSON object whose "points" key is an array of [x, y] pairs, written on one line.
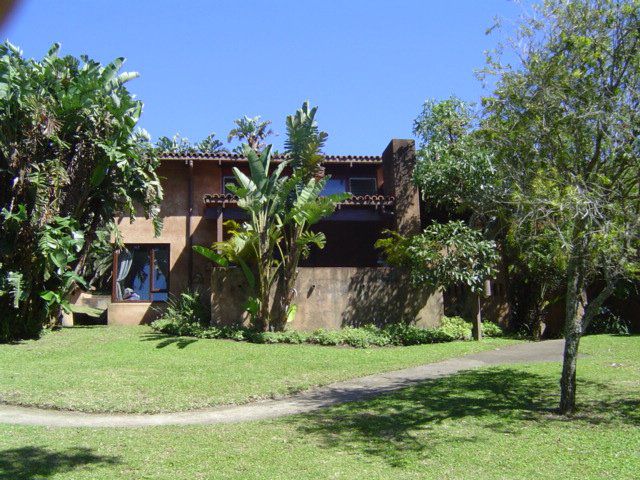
{"points": [[70, 162]]}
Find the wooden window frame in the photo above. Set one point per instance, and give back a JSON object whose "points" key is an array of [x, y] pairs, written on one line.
{"points": [[150, 249]]}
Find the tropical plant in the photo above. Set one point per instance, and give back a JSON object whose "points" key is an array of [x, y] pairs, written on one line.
{"points": [[564, 125], [262, 195], [252, 131], [70, 162], [305, 207], [179, 144], [281, 210]]}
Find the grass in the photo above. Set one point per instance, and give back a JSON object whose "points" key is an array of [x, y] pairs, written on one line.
{"points": [[131, 369], [495, 423]]}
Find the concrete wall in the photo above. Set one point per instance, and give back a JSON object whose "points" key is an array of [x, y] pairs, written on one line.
{"points": [[335, 297]]}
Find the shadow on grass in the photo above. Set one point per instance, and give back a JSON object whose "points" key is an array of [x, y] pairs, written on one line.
{"points": [[166, 340], [400, 425], [27, 463]]}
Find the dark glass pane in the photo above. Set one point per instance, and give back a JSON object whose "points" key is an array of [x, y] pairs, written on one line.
{"points": [[334, 185], [160, 270], [363, 186], [133, 274]]}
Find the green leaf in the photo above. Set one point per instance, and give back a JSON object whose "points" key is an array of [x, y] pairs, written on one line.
{"points": [[211, 255], [291, 312], [248, 274]]}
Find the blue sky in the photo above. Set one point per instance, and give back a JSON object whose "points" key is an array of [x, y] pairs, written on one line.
{"points": [[369, 65]]}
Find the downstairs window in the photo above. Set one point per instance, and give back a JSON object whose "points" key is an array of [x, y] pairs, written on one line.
{"points": [[141, 274]]}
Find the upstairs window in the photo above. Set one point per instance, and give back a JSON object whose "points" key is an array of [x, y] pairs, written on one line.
{"points": [[334, 185], [141, 274], [363, 186]]}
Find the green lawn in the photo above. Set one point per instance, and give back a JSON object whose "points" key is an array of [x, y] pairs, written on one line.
{"points": [[131, 369], [495, 423]]}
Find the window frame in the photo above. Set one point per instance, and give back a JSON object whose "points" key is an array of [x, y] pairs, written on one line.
{"points": [[150, 250], [375, 185]]}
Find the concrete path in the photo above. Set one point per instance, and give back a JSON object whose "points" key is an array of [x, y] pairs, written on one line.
{"points": [[348, 391]]}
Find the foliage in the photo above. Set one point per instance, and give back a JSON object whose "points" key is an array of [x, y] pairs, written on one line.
{"points": [[178, 144], [452, 328], [280, 210], [443, 255], [184, 314], [456, 328], [491, 329], [454, 170], [563, 125], [70, 162], [252, 131], [608, 321]]}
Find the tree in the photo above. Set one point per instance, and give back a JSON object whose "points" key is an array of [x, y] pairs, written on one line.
{"points": [[178, 144], [455, 170], [306, 205], [564, 127], [460, 179], [443, 255], [281, 211], [252, 131], [70, 162]]}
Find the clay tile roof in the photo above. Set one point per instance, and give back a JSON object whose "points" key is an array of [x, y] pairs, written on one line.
{"points": [[356, 200], [223, 156]]}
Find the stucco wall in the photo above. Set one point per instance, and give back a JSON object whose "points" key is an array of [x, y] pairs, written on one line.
{"points": [[334, 297]]}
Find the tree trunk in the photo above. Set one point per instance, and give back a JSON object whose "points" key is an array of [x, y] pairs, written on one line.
{"points": [[573, 332], [286, 285]]}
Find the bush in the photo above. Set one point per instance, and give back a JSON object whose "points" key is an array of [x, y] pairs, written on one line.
{"points": [[456, 328], [184, 316], [608, 322], [453, 328], [490, 329]]}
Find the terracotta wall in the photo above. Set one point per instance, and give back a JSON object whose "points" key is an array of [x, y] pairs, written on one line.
{"points": [[334, 297]]}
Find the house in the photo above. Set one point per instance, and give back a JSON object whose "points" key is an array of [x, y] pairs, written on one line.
{"points": [[343, 284]]}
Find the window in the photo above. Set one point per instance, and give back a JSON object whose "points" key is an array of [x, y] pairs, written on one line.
{"points": [[334, 185], [363, 186], [141, 274], [226, 180]]}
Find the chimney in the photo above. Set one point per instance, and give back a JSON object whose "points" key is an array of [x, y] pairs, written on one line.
{"points": [[398, 162]]}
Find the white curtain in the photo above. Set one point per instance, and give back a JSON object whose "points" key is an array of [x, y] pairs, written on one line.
{"points": [[125, 259]]}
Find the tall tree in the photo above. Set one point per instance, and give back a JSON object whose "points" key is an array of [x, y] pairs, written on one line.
{"points": [[281, 210], [250, 130], [564, 126], [70, 162]]}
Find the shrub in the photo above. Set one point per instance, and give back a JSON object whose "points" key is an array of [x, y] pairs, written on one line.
{"points": [[608, 322], [453, 328], [456, 328], [490, 329], [325, 337], [184, 315]]}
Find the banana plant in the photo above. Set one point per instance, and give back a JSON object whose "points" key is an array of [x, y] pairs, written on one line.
{"points": [[305, 207], [254, 243]]}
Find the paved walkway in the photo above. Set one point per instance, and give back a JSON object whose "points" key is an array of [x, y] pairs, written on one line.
{"points": [[348, 391]]}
